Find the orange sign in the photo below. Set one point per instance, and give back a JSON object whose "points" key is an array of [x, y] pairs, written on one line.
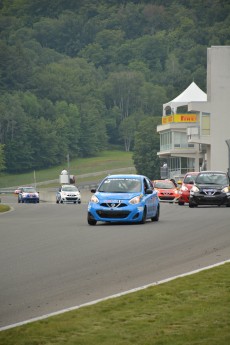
{"points": [[179, 118], [167, 119]]}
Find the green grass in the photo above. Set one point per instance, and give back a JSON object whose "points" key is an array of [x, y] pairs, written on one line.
{"points": [[107, 160], [192, 310], [4, 208]]}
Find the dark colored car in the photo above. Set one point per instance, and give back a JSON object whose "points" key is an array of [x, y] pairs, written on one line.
{"points": [[124, 198], [29, 195], [187, 183], [210, 188]]}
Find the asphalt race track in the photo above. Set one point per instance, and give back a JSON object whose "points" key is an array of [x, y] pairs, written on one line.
{"points": [[51, 259]]}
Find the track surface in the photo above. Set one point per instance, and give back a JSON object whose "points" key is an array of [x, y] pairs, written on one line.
{"points": [[51, 259]]}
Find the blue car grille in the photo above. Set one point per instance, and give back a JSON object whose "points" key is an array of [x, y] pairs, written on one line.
{"points": [[113, 214], [111, 204]]}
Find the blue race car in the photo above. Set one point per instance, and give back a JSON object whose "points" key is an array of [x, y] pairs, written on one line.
{"points": [[124, 198], [28, 194]]}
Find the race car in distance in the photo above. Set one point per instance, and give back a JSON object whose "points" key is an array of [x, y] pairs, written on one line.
{"points": [[186, 186], [124, 198], [18, 190], [68, 193], [28, 195], [166, 190]]}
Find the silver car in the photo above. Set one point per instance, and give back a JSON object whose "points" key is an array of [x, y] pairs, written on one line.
{"points": [[68, 193]]}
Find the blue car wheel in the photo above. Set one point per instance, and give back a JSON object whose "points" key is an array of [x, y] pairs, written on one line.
{"points": [[157, 216], [91, 220], [143, 220]]}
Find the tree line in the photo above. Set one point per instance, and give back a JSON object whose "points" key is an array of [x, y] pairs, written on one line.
{"points": [[78, 77]]}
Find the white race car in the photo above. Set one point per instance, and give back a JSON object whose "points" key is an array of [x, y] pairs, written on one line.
{"points": [[68, 193]]}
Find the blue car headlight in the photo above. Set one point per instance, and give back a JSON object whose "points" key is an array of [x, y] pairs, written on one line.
{"points": [[94, 199], [135, 200]]}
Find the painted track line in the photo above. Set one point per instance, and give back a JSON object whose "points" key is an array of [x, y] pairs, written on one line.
{"points": [[39, 318]]}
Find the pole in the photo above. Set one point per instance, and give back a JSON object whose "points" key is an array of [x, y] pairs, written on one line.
{"points": [[68, 168], [228, 143], [34, 180]]}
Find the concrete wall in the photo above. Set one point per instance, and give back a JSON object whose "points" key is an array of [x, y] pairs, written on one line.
{"points": [[218, 92]]}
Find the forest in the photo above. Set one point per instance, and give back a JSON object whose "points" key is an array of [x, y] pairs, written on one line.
{"points": [[81, 76]]}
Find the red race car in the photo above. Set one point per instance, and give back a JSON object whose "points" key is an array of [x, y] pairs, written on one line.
{"points": [[18, 190], [187, 184], [166, 190]]}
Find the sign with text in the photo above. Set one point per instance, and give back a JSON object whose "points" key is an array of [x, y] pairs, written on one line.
{"points": [[179, 118]]}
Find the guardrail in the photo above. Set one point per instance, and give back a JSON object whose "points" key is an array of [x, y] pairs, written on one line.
{"points": [[6, 191]]}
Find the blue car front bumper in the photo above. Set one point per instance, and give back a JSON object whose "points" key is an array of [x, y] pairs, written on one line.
{"points": [[130, 213]]}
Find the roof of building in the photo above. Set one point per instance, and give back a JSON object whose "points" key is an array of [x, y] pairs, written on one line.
{"points": [[192, 94]]}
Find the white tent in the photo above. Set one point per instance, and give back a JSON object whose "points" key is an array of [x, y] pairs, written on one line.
{"points": [[192, 94]]}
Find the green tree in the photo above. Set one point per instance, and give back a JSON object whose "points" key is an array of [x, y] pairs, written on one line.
{"points": [[14, 127], [152, 98], [146, 146], [15, 67], [112, 120], [122, 90], [127, 130], [68, 124], [2, 158], [47, 148], [93, 137], [70, 80], [107, 61], [93, 52], [30, 104]]}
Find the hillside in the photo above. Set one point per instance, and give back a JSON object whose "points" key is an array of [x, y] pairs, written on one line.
{"points": [[78, 77]]}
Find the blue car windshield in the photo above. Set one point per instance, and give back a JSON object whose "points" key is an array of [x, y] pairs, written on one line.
{"points": [[120, 185]]}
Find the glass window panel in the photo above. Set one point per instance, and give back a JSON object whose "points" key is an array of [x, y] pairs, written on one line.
{"points": [[180, 139], [205, 124]]}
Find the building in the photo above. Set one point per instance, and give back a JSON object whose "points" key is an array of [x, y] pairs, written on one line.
{"points": [[199, 138]]}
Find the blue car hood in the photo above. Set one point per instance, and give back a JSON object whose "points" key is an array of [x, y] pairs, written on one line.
{"points": [[115, 196]]}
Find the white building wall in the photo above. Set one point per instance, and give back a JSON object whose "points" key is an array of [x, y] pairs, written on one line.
{"points": [[218, 94], [217, 105]]}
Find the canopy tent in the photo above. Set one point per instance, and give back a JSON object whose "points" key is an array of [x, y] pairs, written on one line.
{"points": [[192, 94]]}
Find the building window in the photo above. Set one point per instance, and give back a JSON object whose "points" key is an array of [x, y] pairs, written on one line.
{"points": [[181, 140], [166, 141], [181, 165], [205, 124]]}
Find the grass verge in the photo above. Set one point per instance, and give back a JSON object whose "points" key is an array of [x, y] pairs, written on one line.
{"points": [[4, 208], [106, 160], [192, 310]]}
